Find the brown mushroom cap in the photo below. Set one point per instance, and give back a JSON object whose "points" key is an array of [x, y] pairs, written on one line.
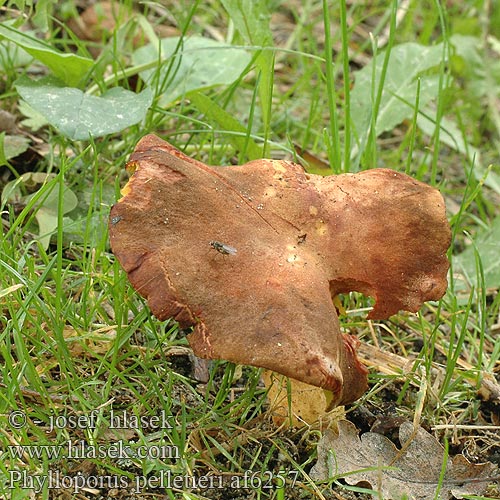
{"points": [[300, 240]]}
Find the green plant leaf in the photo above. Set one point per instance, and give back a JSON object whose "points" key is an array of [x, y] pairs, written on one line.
{"points": [[46, 204], [407, 62], [12, 146], [487, 245], [70, 68], [468, 62], [91, 214], [79, 116], [46, 215], [451, 135], [12, 56], [252, 20], [196, 63], [33, 119], [241, 142]]}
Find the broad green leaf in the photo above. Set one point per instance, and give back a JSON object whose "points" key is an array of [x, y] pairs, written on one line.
{"points": [[468, 62], [86, 229], [47, 200], [451, 135], [468, 48], [407, 62], [12, 146], [43, 11], [223, 119], [46, 215], [12, 56], [79, 116], [487, 244], [91, 215], [70, 68], [197, 63], [33, 119], [252, 20]]}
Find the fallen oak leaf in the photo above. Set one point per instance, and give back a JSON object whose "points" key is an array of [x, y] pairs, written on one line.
{"points": [[412, 472], [299, 240]]}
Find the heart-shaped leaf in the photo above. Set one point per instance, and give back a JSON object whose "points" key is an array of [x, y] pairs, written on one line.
{"points": [[193, 64], [79, 116]]}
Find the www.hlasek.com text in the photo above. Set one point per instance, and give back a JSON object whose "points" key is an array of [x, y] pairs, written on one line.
{"points": [[77, 450]]}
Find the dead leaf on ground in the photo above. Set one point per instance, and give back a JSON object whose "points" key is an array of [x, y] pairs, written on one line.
{"points": [[92, 344], [7, 121], [81, 345], [411, 472], [99, 20]]}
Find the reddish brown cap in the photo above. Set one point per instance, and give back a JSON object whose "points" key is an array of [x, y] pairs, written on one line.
{"points": [[299, 239]]}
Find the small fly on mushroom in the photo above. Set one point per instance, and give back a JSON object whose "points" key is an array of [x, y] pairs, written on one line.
{"points": [[116, 219], [223, 248]]}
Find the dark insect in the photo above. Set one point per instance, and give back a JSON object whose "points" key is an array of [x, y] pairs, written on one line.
{"points": [[223, 248], [301, 239]]}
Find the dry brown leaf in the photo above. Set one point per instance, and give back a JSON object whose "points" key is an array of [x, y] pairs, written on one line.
{"points": [[413, 470], [89, 344], [250, 256], [100, 20]]}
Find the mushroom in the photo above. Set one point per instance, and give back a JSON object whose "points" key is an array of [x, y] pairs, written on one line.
{"points": [[250, 256]]}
